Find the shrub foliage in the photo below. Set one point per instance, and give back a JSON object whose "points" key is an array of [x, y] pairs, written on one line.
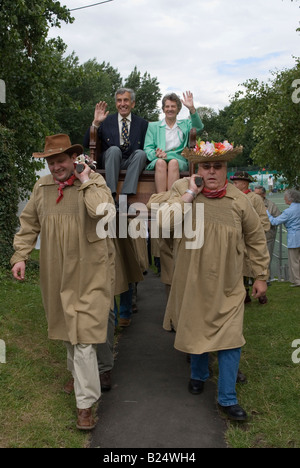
{"points": [[9, 195]]}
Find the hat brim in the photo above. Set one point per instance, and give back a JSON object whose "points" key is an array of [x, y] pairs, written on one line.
{"points": [[78, 149], [242, 178], [196, 158]]}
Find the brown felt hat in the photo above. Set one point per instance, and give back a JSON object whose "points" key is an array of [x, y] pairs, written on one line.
{"points": [[242, 175], [57, 144]]}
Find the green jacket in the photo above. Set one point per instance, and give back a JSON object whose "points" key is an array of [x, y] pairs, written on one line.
{"points": [[156, 138]]}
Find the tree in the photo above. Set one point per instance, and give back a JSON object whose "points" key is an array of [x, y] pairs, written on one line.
{"points": [[215, 128], [273, 109], [8, 195], [31, 67], [239, 125], [147, 94], [46, 93], [221, 126], [84, 86], [277, 129]]}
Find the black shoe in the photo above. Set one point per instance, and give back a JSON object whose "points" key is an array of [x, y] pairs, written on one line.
{"points": [[105, 380], [234, 412], [196, 386], [247, 298], [241, 378], [263, 300]]}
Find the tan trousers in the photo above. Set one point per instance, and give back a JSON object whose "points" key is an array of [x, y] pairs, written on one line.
{"points": [[82, 362], [294, 265]]}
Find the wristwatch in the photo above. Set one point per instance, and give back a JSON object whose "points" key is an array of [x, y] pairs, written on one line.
{"points": [[191, 193]]}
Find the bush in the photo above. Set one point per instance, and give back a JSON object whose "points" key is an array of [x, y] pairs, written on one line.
{"points": [[9, 195]]}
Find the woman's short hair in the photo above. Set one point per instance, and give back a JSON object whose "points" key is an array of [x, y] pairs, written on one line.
{"points": [[293, 195], [261, 187], [172, 97]]}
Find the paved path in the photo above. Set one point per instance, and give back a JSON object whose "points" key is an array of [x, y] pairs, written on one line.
{"points": [[149, 405]]}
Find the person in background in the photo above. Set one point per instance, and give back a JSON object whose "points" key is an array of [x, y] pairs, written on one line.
{"points": [[291, 219], [241, 180], [270, 184], [274, 211], [165, 140]]}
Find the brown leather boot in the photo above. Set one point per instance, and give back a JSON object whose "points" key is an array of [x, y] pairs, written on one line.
{"points": [[69, 387], [123, 322], [85, 421]]}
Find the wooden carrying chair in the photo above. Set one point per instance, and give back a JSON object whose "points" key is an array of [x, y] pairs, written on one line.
{"points": [[146, 184]]}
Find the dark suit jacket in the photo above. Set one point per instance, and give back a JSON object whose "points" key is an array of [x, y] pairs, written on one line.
{"points": [[108, 133]]}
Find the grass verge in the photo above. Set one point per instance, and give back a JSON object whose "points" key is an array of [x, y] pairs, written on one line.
{"points": [[271, 396], [35, 413]]}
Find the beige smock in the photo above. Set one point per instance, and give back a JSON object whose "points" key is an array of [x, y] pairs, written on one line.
{"points": [[206, 302], [131, 255], [259, 206], [162, 247], [128, 267], [76, 266]]}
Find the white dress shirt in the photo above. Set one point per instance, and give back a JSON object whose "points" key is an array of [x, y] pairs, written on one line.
{"points": [[173, 136]]}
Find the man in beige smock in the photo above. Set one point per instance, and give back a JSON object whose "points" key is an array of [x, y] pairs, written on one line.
{"points": [[76, 266], [206, 302], [241, 180]]}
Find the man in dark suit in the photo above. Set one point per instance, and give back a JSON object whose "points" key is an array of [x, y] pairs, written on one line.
{"points": [[122, 138]]}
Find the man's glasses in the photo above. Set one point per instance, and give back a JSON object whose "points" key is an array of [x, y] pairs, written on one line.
{"points": [[216, 165]]}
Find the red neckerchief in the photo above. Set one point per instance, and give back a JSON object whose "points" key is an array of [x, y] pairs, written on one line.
{"points": [[62, 185], [215, 193], [247, 191]]}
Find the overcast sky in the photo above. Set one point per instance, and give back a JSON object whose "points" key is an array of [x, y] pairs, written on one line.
{"points": [[206, 46]]}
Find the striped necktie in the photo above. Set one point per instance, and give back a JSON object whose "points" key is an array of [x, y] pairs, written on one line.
{"points": [[125, 135]]}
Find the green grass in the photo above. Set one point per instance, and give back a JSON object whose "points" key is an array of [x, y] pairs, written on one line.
{"points": [[272, 395], [34, 411]]}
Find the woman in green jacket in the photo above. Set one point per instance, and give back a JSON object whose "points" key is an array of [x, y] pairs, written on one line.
{"points": [[165, 140]]}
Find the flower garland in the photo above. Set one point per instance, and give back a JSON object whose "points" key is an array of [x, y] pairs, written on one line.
{"points": [[211, 148]]}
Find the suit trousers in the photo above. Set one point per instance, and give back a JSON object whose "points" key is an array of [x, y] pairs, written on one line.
{"points": [[105, 351], [294, 265], [114, 162], [82, 362]]}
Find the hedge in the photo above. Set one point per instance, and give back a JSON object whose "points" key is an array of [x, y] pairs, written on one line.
{"points": [[9, 195]]}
